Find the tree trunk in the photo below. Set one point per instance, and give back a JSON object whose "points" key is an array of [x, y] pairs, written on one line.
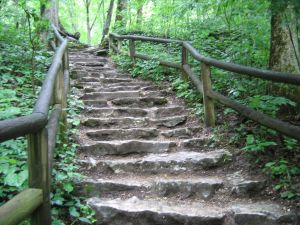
{"points": [[107, 22], [71, 12], [284, 52], [139, 16], [49, 10], [121, 8], [88, 25]]}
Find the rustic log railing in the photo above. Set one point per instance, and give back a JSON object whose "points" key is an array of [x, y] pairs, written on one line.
{"points": [[41, 128], [204, 85]]}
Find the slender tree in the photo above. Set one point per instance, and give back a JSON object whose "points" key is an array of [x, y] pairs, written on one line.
{"points": [[107, 21], [89, 24], [121, 9], [71, 11]]}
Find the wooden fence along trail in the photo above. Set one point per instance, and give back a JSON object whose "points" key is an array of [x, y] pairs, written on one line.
{"points": [[41, 128], [138, 149]]}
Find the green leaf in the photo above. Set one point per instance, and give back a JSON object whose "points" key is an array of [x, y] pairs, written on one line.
{"points": [[4, 168], [58, 200], [11, 179], [68, 187], [10, 112], [73, 212], [85, 220]]}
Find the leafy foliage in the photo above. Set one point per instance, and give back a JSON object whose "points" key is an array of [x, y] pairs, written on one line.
{"points": [[23, 62]]}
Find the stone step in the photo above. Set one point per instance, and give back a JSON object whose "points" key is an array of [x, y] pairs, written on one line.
{"points": [[134, 122], [138, 112], [101, 148], [149, 134], [134, 211], [89, 79], [116, 80], [243, 186], [125, 122], [108, 73], [124, 88], [111, 95], [186, 132], [78, 73], [118, 112], [170, 111], [170, 122], [199, 187], [106, 85], [140, 102], [96, 103], [89, 64], [111, 89], [123, 134], [173, 162], [96, 68], [162, 93]]}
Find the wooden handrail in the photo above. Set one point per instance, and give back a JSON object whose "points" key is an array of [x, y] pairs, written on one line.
{"points": [[13, 128], [232, 67], [21, 206], [274, 76], [143, 38], [205, 86], [41, 133]]}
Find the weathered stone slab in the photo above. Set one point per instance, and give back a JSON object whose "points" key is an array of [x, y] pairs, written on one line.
{"points": [[118, 112], [182, 133], [149, 212], [169, 111], [171, 122], [123, 134], [263, 214], [89, 64], [125, 122], [140, 102], [127, 147], [95, 103], [111, 95], [204, 188], [168, 162]]}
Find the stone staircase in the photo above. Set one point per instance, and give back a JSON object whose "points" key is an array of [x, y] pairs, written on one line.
{"points": [[147, 160]]}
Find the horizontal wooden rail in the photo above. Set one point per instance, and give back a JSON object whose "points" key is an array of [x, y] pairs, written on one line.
{"points": [[287, 78], [280, 126], [205, 85], [21, 207], [161, 62], [47, 90], [143, 38], [13, 128]]}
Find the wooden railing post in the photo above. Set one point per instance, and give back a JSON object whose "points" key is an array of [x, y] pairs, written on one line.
{"points": [[38, 169], [184, 61], [110, 42], [119, 46], [132, 51], [60, 98], [209, 108]]}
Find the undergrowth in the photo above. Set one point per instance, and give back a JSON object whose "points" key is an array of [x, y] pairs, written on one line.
{"points": [[276, 155], [16, 99]]}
